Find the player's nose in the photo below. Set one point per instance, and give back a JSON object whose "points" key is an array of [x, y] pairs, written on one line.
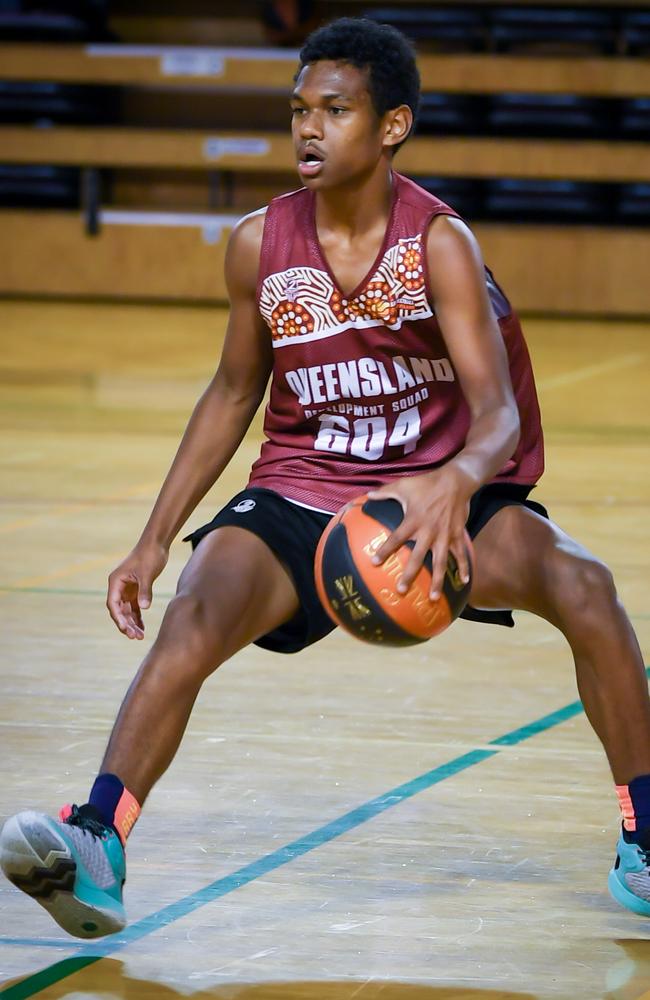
{"points": [[311, 125]]}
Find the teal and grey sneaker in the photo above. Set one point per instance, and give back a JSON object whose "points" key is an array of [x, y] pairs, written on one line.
{"points": [[629, 879], [74, 867]]}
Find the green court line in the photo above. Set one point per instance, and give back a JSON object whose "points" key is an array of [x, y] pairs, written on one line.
{"points": [[47, 977], [91, 953], [59, 943]]}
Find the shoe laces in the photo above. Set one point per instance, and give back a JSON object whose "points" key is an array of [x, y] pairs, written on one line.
{"points": [[87, 824]]}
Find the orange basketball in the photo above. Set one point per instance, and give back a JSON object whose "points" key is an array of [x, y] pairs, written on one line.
{"points": [[363, 598]]}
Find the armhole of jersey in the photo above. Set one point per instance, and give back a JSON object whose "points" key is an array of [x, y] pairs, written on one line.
{"points": [[267, 235], [501, 304], [425, 257]]}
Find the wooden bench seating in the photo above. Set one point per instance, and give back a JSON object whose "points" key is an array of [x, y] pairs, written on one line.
{"points": [[170, 257], [273, 69], [550, 268], [272, 152]]}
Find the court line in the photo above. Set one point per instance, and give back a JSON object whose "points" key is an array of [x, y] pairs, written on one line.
{"points": [[590, 371], [67, 591], [164, 595], [42, 943], [63, 510], [89, 954], [108, 558]]}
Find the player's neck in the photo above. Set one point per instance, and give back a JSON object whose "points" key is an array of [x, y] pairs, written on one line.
{"points": [[358, 208]]}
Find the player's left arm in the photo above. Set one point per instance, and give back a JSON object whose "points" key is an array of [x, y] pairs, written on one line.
{"points": [[436, 503], [476, 348]]}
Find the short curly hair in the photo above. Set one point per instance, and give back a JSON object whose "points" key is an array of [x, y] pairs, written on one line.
{"points": [[386, 53]]}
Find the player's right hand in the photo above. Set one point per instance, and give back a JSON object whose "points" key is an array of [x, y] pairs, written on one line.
{"points": [[130, 585]]}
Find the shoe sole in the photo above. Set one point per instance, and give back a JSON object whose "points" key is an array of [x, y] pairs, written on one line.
{"points": [[39, 862], [626, 897]]}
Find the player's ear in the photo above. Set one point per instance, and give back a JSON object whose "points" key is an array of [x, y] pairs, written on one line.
{"points": [[397, 125]]}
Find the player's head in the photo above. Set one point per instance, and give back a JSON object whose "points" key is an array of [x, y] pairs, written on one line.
{"points": [[356, 96]]}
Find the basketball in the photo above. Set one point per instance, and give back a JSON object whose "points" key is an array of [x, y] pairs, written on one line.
{"points": [[363, 598]]}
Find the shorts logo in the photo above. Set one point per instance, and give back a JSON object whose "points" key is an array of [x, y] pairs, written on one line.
{"points": [[244, 506]]}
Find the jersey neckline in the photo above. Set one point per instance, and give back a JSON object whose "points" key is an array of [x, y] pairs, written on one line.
{"points": [[356, 292]]}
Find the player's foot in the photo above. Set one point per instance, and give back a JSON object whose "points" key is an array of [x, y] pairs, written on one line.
{"points": [[629, 879], [74, 867]]}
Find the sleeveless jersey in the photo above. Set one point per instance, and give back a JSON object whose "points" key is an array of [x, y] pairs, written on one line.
{"points": [[363, 390]]}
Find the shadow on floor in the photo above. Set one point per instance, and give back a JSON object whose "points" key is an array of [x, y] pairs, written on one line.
{"points": [[105, 979]]}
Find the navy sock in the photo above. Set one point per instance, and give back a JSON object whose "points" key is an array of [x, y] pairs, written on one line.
{"points": [[639, 792], [104, 796]]}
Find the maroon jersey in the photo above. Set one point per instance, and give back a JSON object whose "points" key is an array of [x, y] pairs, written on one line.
{"points": [[363, 390]]}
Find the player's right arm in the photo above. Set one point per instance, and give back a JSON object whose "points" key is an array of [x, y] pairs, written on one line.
{"points": [[215, 430]]}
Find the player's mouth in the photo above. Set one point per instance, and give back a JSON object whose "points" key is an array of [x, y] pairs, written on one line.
{"points": [[310, 161]]}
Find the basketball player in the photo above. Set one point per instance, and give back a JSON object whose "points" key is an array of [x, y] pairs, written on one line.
{"points": [[398, 367]]}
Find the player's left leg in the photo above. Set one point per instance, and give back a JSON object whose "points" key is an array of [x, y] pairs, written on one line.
{"points": [[526, 562]]}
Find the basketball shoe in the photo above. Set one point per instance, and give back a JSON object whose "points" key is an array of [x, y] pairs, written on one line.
{"points": [[74, 867], [629, 879]]}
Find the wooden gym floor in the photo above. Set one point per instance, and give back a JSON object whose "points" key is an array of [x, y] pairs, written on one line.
{"points": [[338, 825]]}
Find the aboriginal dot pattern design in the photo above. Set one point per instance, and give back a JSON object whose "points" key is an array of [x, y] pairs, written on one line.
{"points": [[304, 303]]}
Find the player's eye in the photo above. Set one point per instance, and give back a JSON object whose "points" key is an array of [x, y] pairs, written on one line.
{"points": [[337, 111]]}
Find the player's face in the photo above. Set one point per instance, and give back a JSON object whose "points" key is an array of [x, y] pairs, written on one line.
{"points": [[337, 133]]}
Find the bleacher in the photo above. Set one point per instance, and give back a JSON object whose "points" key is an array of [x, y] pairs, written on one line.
{"points": [[128, 150]]}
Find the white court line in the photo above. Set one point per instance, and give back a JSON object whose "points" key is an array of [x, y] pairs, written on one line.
{"points": [[590, 371]]}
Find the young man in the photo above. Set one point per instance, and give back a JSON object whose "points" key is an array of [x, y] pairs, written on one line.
{"points": [[398, 367]]}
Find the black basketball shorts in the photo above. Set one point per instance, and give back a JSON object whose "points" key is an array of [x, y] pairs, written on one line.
{"points": [[292, 533]]}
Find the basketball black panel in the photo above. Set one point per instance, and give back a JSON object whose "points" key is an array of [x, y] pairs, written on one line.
{"points": [[390, 515], [453, 587]]}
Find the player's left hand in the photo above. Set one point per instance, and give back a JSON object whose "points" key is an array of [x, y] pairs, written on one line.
{"points": [[436, 506]]}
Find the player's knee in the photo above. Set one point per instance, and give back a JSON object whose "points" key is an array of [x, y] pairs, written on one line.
{"points": [[189, 632], [583, 590]]}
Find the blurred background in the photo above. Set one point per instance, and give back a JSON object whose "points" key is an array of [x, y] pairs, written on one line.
{"points": [[134, 134]]}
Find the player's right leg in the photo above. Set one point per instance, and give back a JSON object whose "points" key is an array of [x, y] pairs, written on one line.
{"points": [[526, 561], [232, 591]]}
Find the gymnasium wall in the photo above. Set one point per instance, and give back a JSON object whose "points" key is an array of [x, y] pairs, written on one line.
{"points": [[132, 137]]}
